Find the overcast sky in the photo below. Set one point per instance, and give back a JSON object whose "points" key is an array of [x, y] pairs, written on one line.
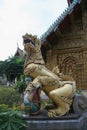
{"points": [[18, 17]]}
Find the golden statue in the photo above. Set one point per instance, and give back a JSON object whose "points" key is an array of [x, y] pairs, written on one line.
{"points": [[58, 87]]}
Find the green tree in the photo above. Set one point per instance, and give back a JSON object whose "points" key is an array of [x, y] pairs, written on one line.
{"points": [[1, 68], [12, 67]]}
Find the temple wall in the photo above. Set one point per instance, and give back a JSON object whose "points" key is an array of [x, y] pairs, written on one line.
{"points": [[70, 52], [51, 59]]}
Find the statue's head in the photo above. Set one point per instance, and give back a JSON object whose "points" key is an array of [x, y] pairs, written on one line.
{"points": [[30, 42]]}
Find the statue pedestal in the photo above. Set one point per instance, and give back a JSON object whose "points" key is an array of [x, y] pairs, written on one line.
{"points": [[67, 122]]}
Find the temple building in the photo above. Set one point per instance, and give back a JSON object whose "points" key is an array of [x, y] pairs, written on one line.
{"points": [[64, 44]]}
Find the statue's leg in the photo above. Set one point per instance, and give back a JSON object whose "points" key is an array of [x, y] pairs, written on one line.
{"points": [[62, 97]]}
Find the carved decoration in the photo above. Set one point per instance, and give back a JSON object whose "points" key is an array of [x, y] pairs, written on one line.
{"points": [[72, 62]]}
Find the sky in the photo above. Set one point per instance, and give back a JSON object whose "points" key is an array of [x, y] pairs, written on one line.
{"points": [[18, 17]]}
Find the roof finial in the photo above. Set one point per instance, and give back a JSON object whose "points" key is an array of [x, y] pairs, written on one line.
{"points": [[69, 2], [17, 45]]}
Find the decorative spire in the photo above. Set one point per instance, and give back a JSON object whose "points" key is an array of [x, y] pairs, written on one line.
{"points": [[17, 44], [69, 2]]}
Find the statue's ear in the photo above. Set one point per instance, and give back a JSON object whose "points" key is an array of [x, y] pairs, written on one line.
{"points": [[36, 40], [35, 37]]}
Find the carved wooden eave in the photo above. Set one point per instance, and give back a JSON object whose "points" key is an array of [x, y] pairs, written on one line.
{"points": [[63, 23]]}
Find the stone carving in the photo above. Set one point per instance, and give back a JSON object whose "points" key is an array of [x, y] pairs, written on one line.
{"points": [[80, 104], [58, 87]]}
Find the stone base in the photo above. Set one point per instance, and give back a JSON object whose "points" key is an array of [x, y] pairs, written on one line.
{"points": [[67, 122]]}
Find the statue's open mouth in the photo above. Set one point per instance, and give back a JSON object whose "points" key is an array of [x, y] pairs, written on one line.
{"points": [[30, 41]]}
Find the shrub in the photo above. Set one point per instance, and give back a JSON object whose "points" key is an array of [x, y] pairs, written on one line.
{"points": [[10, 96], [12, 120], [3, 108], [11, 117], [20, 85]]}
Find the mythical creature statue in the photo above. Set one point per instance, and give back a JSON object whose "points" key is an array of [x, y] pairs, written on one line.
{"points": [[59, 88]]}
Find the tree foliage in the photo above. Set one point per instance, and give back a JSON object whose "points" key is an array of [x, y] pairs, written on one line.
{"points": [[12, 67], [21, 85], [1, 68]]}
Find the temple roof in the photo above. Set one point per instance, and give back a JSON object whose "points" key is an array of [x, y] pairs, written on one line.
{"points": [[19, 52], [58, 21]]}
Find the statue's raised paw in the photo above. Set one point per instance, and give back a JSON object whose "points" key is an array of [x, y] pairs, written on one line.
{"points": [[29, 87]]}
